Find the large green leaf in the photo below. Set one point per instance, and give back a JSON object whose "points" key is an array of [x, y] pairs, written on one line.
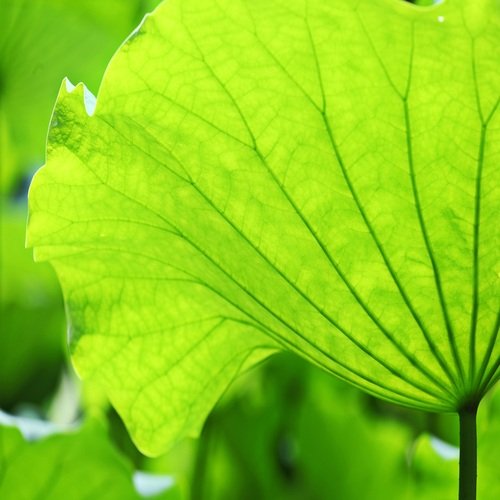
{"points": [[313, 176]]}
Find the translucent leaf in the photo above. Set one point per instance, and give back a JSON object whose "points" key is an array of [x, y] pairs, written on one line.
{"points": [[261, 176]]}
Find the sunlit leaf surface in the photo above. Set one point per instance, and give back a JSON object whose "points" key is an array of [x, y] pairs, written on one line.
{"points": [[320, 177]]}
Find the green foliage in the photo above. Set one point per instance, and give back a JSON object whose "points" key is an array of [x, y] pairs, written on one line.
{"points": [[78, 465], [435, 478], [312, 177], [31, 318], [307, 435], [41, 42]]}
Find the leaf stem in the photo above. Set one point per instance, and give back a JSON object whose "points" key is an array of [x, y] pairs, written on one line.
{"points": [[468, 452]]}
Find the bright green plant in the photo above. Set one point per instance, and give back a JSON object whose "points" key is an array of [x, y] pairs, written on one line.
{"points": [[77, 465], [308, 435], [319, 177]]}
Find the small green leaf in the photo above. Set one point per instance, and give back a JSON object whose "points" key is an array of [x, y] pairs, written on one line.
{"points": [[319, 177], [78, 465]]}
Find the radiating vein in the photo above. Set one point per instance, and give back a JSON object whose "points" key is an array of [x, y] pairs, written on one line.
{"points": [[488, 353], [475, 257], [404, 97], [421, 220]]}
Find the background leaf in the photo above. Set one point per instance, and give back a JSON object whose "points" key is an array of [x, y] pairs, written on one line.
{"points": [[31, 318], [308, 435], [78, 464]]}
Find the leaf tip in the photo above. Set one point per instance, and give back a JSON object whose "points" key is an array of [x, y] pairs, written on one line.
{"points": [[81, 91]]}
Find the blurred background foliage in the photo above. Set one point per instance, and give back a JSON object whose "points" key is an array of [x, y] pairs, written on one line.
{"points": [[284, 430]]}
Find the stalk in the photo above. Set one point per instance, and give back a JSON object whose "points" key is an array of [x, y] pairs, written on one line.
{"points": [[468, 453]]}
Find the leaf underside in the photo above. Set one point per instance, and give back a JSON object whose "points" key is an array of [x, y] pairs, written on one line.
{"points": [[320, 177]]}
